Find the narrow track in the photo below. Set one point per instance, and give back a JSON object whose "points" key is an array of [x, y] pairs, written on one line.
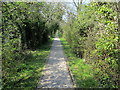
{"points": [[56, 74]]}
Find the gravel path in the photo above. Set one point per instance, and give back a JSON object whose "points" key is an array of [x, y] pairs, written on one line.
{"points": [[56, 74]]}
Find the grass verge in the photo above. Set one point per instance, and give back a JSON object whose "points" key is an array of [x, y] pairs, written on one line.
{"points": [[25, 74], [82, 72]]}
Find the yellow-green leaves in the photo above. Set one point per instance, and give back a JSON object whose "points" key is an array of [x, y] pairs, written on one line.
{"points": [[93, 35]]}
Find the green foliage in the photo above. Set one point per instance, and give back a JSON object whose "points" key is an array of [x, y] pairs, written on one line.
{"points": [[25, 26], [82, 72], [93, 35], [25, 74]]}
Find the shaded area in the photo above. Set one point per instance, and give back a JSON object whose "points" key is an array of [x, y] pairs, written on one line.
{"points": [[56, 74], [26, 73]]}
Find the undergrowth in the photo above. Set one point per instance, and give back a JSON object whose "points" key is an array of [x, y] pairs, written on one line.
{"points": [[82, 72], [25, 74]]}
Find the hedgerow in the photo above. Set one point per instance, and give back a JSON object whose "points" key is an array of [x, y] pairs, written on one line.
{"points": [[93, 34], [25, 26]]}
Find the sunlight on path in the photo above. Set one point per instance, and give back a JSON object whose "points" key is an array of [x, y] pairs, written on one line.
{"points": [[56, 74]]}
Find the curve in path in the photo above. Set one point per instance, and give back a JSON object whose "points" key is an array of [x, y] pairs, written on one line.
{"points": [[56, 74]]}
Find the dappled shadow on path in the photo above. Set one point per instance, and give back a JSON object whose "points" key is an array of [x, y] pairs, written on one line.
{"points": [[56, 74]]}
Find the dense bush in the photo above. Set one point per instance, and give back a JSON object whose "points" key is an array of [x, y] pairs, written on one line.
{"points": [[93, 35], [24, 26]]}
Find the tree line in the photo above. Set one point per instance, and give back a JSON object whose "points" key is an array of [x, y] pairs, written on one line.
{"points": [[93, 34], [25, 26]]}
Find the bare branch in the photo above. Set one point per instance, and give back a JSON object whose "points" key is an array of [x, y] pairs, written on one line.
{"points": [[75, 4]]}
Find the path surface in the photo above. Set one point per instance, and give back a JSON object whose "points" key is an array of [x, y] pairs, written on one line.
{"points": [[56, 74]]}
